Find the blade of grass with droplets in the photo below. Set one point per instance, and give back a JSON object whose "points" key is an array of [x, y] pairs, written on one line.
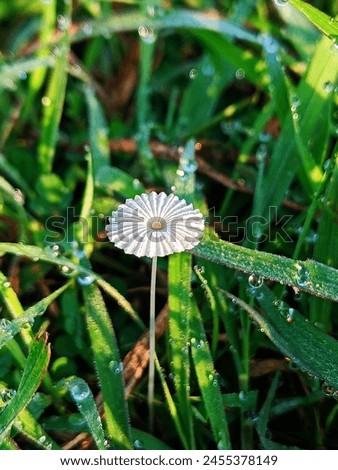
{"points": [[53, 103], [109, 368], [35, 368], [323, 22], [179, 282], [46, 33], [179, 276], [325, 249], [312, 99], [308, 276], [9, 73], [172, 19], [207, 380], [27, 425], [147, 44], [36, 253], [23, 317], [98, 131], [277, 80], [84, 400], [307, 346]]}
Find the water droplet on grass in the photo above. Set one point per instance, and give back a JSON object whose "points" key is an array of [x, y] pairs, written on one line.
{"points": [[7, 395], [85, 280], [255, 281], [116, 367], [281, 3], [240, 74], [138, 444], [193, 74], [303, 276], [79, 390]]}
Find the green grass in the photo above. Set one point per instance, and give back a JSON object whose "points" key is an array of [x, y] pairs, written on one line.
{"points": [[236, 113]]}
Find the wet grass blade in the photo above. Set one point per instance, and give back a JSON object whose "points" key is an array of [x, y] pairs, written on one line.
{"points": [[98, 131], [35, 368], [307, 346], [325, 249], [323, 22], [109, 368], [312, 98], [179, 275], [23, 317], [32, 431], [308, 276], [207, 380], [36, 253], [174, 18], [84, 400], [53, 106]]}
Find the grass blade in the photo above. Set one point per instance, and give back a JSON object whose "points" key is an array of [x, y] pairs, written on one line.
{"points": [[179, 275], [35, 368], [207, 380], [308, 276], [307, 346], [84, 400], [109, 368], [323, 22], [9, 329]]}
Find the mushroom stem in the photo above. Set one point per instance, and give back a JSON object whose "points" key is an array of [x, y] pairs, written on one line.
{"points": [[151, 377]]}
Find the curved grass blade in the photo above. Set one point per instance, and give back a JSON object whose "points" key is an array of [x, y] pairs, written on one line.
{"points": [[306, 345], [9, 329], [323, 22], [39, 254], [109, 368], [31, 429], [84, 400], [207, 380], [35, 368], [308, 276], [179, 275], [178, 19]]}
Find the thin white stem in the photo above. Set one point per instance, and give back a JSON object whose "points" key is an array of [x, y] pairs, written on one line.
{"points": [[151, 377]]}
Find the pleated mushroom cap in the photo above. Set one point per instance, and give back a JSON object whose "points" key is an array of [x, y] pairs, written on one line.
{"points": [[155, 225]]}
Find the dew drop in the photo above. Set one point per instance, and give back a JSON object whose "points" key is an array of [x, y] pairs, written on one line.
{"points": [[23, 75], [328, 86], [240, 74], [193, 74], [63, 22], [116, 367], [85, 280], [147, 35], [42, 439], [6, 284], [189, 166], [281, 3], [303, 276], [7, 395], [67, 271], [138, 444], [255, 281], [46, 101], [79, 390], [52, 250]]}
